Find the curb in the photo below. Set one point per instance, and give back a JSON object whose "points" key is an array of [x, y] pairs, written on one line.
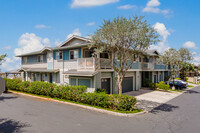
{"points": [[83, 106]]}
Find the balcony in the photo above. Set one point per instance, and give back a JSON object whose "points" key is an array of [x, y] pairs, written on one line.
{"points": [[146, 66], [93, 64], [160, 66]]}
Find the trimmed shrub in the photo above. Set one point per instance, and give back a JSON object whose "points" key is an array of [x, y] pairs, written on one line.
{"points": [[74, 93], [152, 86], [162, 85], [13, 84], [177, 78], [99, 90]]}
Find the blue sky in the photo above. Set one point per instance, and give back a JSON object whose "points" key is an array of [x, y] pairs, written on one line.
{"points": [[28, 25]]}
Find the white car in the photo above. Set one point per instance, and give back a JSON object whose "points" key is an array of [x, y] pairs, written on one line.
{"points": [[198, 78]]}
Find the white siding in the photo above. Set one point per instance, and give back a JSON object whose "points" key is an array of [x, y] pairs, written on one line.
{"points": [[39, 65]]}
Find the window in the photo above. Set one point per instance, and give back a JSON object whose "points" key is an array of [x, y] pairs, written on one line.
{"points": [[73, 54], [88, 53], [104, 55], [59, 55], [134, 58], [40, 58], [140, 59], [24, 60]]}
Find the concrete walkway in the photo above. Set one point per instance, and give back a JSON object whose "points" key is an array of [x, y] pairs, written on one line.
{"points": [[154, 96]]}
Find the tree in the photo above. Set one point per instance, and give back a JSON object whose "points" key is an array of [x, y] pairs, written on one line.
{"points": [[2, 57], [176, 59], [185, 57], [124, 40]]}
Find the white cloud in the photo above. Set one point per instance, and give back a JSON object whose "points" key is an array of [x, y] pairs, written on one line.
{"points": [[57, 42], [7, 48], [91, 23], [126, 7], [90, 3], [196, 59], [75, 32], [153, 7], [41, 26], [10, 64], [29, 42], [153, 3], [160, 47], [164, 33], [190, 44]]}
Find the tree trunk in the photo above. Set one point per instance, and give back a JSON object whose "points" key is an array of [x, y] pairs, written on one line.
{"points": [[169, 80], [119, 79]]}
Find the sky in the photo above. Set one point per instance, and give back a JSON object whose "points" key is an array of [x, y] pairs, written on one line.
{"points": [[30, 25]]}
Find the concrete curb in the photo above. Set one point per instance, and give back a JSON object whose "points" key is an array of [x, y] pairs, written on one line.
{"points": [[83, 106]]}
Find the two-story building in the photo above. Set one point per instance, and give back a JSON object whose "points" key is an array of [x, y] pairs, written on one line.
{"points": [[73, 63]]}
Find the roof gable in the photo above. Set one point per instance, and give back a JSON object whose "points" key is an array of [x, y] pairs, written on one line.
{"points": [[75, 40]]}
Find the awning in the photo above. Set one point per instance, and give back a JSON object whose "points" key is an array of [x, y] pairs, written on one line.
{"points": [[80, 73], [39, 70]]}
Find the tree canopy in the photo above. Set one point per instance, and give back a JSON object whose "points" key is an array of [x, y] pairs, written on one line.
{"points": [[177, 59], [124, 39], [2, 57]]}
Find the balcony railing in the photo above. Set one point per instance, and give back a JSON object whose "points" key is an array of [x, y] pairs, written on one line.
{"points": [[100, 63], [93, 64], [147, 66]]}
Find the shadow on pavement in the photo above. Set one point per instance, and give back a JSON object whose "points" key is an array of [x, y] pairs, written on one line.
{"points": [[4, 97], [191, 92], [164, 108], [11, 126]]}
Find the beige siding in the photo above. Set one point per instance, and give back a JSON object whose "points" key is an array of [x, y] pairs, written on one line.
{"points": [[39, 65], [74, 42]]}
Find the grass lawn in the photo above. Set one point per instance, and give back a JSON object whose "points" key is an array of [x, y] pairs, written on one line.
{"points": [[126, 112], [190, 86]]}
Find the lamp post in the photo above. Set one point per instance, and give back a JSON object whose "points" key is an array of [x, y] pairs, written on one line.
{"points": [[173, 87]]}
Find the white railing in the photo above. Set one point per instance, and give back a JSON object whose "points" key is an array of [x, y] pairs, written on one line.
{"points": [[86, 63], [94, 64], [105, 64], [147, 66]]}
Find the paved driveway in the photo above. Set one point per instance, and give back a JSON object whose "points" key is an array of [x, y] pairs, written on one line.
{"points": [[154, 96], [32, 115]]}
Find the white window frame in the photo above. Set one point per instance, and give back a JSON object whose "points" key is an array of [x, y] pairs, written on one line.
{"points": [[58, 56], [74, 54]]}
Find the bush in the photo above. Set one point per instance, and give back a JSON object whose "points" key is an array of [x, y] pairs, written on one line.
{"points": [[99, 90], [152, 86], [162, 85], [186, 78], [75, 93], [13, 84], [177, 78]]}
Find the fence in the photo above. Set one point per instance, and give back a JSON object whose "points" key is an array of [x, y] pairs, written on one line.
{"points": [[2, 85]]}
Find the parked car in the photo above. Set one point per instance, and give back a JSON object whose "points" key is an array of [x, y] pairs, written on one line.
{"points": [[179, 84], [198, 78]]}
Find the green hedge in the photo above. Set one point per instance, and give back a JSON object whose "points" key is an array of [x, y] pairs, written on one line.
{"points": [[162, 85], [74, 93]]}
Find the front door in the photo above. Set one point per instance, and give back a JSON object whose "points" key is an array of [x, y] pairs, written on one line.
{"points": [[155, 78], [105, 84], [51, 78]]}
